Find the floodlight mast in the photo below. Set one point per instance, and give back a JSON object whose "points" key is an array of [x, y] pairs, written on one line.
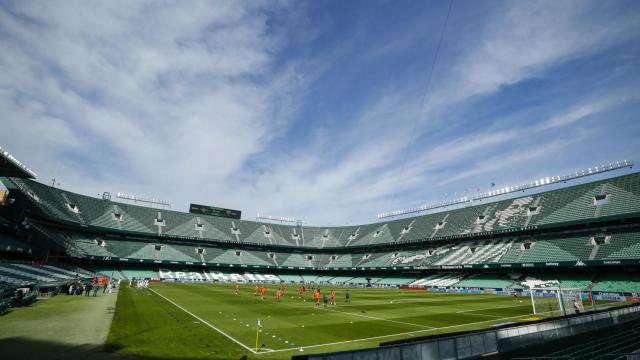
{"points": [[618, 165]]}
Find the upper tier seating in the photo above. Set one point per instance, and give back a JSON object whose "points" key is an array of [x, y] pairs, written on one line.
{"points": [[572, 204]]}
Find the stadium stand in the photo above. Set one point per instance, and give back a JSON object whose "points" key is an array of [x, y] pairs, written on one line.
{"points": [[503, 251], [618, 283], [488, 245], [489, 280], [290, 278], [438, 280], [564, 206], [10, 243], [395, 280], [341, 279], [139, 274], [15, 275], [573, 280], [584, 237]]}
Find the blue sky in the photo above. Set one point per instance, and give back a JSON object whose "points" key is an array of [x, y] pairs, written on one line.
{"points": [[327, 111]]}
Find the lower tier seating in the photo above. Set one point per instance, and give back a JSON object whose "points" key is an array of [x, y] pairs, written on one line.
{"points": [[618, 283]]}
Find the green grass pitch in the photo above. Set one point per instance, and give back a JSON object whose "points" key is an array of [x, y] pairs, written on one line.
{"points": [[210, 321]]}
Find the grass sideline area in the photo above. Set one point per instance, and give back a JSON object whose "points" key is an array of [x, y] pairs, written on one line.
{"points": [[60, 327], [204, 321]]}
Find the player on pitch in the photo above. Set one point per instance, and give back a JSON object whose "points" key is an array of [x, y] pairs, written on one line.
{"points": [[316, 297]]}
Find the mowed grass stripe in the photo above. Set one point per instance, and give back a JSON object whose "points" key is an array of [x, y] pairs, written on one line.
{"points": [[204, 322], [292, 325], [155, 327], [425, 314], [377, 318], [299, 323], [306, 328], [147, 325], [400, 334]]}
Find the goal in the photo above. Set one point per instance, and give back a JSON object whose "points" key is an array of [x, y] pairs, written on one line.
{"points": [[558, 301]]}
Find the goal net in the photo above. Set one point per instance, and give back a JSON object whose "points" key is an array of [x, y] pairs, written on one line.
{"points": [[558, 301]]}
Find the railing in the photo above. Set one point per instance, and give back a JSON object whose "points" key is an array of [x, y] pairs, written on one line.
{"points": [[620, 356], [490, 341]]}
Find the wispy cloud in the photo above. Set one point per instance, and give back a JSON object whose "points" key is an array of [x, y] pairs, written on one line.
{"points": [[159, 94], [303, 110]]}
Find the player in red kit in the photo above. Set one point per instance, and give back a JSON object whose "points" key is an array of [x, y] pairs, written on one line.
{"points": [[316, 297]]}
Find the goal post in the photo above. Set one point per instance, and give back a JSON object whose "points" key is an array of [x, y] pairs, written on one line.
{"points": [[558, 301]]}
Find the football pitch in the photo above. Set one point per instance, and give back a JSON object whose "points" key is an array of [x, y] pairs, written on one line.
{"points": [[211, 321]]}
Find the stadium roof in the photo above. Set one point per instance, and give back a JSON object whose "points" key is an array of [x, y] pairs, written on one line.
{"points": [[11, 167]]}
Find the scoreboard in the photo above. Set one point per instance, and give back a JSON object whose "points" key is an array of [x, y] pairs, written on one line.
{"points": [[214, 211]]}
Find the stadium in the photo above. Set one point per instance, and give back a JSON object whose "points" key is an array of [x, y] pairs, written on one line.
{"points": [[319, 180], [536, 255]]}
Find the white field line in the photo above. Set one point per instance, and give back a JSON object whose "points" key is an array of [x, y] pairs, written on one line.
{"points": [[381, 319], [267, 351], [399, 334], [204, 322]]}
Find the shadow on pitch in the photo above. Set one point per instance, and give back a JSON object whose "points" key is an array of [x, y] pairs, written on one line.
{"points": [[29, 349]]}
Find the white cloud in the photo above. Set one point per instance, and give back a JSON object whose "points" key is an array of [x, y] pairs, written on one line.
{"points": [[524, 40], [185, 101], [521, 43], [151, 98]]}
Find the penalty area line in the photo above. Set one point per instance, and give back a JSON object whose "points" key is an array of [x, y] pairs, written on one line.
{"points": [[204, 322], [399, 334]]}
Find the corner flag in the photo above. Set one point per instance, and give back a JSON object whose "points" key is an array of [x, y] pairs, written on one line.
{"points": [[258, 333]]}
